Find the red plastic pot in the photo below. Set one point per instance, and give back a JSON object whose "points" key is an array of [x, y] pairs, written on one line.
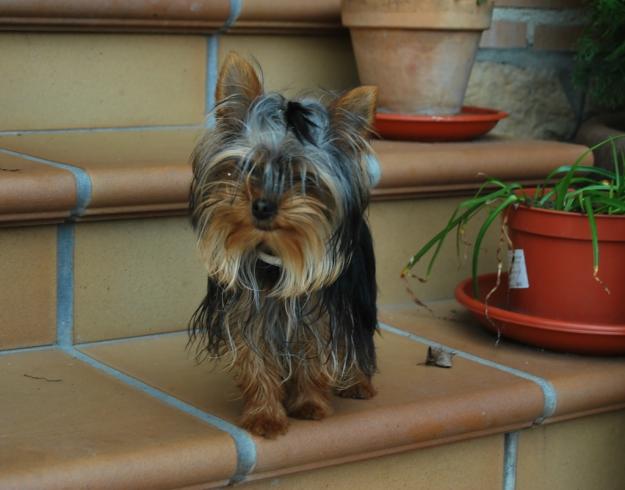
{"points": [[558, 255], [559, 335]]}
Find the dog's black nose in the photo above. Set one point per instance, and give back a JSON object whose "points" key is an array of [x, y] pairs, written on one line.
{"points": [[263, 209]]}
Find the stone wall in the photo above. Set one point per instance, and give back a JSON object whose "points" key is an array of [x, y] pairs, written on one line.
{"points": [[524, 67]]}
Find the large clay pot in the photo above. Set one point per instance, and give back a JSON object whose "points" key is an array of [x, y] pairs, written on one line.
{"points": [[558, 257], [418, 52]]}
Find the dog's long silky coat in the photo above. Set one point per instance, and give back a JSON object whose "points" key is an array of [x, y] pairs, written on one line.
{"points": [[278, 202]]}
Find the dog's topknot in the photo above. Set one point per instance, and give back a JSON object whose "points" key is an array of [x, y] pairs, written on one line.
{"points": [[299, 119]]}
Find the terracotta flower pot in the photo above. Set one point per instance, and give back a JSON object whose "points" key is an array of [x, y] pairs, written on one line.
{"points": [[558, 258], [418, 52]]}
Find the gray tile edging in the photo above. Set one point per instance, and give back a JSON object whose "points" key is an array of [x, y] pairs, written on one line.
{"points": [[245, 446], [511, 439], [510, 457], [549, 392], [81, 178]]}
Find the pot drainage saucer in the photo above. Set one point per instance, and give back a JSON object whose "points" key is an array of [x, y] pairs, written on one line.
{"points": [[469, 124], [564, 336]]}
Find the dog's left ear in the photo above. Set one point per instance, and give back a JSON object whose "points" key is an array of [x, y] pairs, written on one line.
{"points": [[354, 111], [237, 87]]}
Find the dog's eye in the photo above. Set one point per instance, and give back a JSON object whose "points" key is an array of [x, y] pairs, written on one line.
{"points": [[225, 173]]}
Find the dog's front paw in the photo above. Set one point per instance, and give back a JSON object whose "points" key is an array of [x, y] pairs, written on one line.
{"points": [[362, 390], [310, 411], [264, 425]]}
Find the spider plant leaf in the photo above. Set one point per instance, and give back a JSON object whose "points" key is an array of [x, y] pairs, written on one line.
{"points": [[480, 237], [593, 233], [579, 170], [564, 183], [615, 206], [440, 236]]}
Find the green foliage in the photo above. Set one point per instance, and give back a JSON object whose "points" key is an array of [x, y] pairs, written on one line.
{"points": [[570, 188], [600, 59]]}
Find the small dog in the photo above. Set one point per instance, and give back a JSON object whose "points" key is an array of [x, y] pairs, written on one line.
{"points": [[278, 199]]}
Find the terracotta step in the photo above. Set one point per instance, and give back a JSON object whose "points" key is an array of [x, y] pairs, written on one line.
{"points": [[113, 265], [146, 172], [140, 413]]}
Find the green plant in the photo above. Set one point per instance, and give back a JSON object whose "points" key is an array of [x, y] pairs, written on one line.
{"points": [[570, 188], [600, 59]]}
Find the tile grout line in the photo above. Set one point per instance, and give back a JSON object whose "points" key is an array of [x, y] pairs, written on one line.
{"points": [[108, 129], [21, 350], [511, 439], [212, 62], [235, 10], [549, 392], [510, 456], [81, 178], [65, 240], [245, 446], [121, 340], [212, 53]]}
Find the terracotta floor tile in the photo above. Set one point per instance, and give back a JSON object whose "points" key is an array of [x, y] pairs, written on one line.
{"points": [[28, 285], [465, 465], [582, 383], [34, 191], [66, 425], [128, 170], [305, 63], [135, 277], [585, 453], [399, 227], [59, 80], [416, 405]]}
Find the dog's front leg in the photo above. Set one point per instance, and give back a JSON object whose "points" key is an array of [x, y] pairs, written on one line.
{"points": [[309, 393], [259, 379]]}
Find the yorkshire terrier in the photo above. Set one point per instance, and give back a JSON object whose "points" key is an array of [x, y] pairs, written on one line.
{"points": [[278, 203]]}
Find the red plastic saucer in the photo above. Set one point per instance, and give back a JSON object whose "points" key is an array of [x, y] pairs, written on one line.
{"points": [[580, 338], [471, 123]]}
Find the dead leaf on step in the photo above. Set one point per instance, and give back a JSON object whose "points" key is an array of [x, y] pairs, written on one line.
{"points": [[439, 357], [43, 378]]}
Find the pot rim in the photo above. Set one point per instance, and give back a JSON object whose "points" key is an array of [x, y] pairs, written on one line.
{"points": [[565, 225], [568, 213], [439, 15]]}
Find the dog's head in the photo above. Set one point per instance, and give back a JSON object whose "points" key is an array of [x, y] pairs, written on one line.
{"points": [[281, 184]]}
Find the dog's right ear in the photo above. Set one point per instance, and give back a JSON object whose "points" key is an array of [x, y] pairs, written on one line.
{"points": [[237, 87]]}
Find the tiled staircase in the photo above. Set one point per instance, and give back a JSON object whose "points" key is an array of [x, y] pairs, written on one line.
{"points": [[99, 275]]}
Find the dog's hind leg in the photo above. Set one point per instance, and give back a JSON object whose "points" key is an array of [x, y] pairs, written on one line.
{"points": [[263, 392]]}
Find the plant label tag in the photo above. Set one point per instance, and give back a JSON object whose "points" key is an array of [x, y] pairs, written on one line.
{"points": [[517, 279]]}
